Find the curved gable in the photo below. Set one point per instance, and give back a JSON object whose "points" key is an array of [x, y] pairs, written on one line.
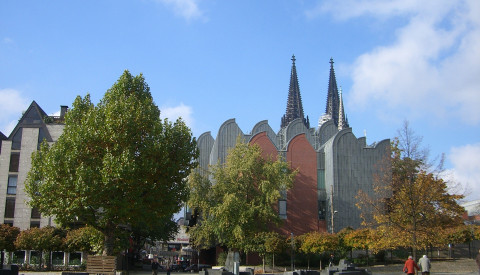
{"points": [[263, 126], [326, 131], [205, 144], [226, 139], [269, 151]]}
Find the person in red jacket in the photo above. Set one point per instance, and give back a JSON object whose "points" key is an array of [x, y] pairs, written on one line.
{"points": [[410, 265]]}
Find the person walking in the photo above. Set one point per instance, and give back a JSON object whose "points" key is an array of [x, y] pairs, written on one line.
{"points": [[410, 266], [155, 266], [477, 259], [332, 258], [424, 264]]}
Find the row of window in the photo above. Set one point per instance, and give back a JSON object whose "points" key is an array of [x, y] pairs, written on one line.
{"points": [[57, 258]]}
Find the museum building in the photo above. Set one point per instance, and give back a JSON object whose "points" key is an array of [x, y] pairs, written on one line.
{"points": [[333, 164]]}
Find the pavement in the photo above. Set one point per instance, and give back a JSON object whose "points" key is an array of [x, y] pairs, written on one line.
{"points": [[443, 267]]}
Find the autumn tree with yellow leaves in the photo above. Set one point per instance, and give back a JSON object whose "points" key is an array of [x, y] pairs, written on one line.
{"points": [[413, 205]]}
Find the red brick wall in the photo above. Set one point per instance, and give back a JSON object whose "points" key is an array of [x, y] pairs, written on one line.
{"points": [[268, 149], [302, 204]]}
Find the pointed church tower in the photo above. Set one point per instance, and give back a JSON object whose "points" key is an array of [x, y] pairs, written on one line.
{"points": [[332, 108], [294, 103], [342, 120]]}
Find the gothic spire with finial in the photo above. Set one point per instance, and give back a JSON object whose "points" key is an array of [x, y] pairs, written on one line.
{"points": [[294, 103], [342, 121], [332, 107]]}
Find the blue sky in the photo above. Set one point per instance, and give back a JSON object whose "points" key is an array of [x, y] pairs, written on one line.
{"points": [[209, 61]]}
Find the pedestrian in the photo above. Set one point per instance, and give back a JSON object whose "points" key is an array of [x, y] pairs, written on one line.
{"points": [[478, 261], [410, 266], [424, 264], [332, 258], [155, 266]]}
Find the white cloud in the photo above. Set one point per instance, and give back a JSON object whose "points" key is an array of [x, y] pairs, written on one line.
{"points": [[466, 168], [175, 112], [12, 104], [185, 8], [431, 69]]}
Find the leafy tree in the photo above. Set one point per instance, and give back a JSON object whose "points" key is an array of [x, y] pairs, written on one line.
{"points": [[86, 239], [42, 239], [116, 165], [318, 243], [455, 235], [268, 242], [239, 202], [413, 205], [274, 243], [8, 235], [361, 239], [344, 249]]}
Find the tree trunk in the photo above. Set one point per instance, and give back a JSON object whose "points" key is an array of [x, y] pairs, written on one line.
{"points": [[263, 263], [109, 241], [273, 261]]}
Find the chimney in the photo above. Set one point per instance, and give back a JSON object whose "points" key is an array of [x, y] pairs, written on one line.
{"points": [[63, 110]]}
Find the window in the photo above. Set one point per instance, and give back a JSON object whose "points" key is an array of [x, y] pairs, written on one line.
{"points": [[57, 258], [17, 140], [14, 162], [10, 208], [322, 209], [34, 224], [75, 258], [34, 257], [282, 209], [35, 213], [12, 185], [18, 257], [41, 137]]}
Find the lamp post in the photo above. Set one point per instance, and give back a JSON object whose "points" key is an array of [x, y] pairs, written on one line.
{"points": [[292, 258], [331, 207], [333, 215]]}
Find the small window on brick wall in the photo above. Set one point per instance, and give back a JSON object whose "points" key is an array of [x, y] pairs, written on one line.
{"points": [[12, 185], [35, 224], [35, 213], [282, 209], [10, 208], [14, 162]]}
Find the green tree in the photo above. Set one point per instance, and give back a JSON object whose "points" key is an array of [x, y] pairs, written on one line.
{"points": [[8, 235], [116, 165], [46, 239], [268, 242], [86, 239], [318, 243], [241, 199], [412, 200]]}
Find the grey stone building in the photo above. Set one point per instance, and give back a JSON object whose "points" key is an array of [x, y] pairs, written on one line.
{"points": [[333, 164], [15, 161]]}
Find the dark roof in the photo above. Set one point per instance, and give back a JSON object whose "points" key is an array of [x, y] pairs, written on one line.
{"points": [[33, 117]]}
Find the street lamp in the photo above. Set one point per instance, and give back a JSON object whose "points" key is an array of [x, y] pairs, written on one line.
{"points": [[292, 257], [333, 215]]}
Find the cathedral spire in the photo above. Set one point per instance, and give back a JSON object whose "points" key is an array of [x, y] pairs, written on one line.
{"points": [[294, 103], [332, 108], [342, 121]]}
